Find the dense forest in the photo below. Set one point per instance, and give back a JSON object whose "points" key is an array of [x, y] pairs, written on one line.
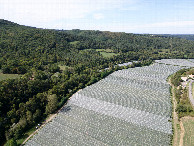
{"points": [[184, 36], [54, 64]]}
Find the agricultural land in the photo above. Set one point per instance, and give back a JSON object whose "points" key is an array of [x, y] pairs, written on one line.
{"points": [[123, 96], [129, 107]]}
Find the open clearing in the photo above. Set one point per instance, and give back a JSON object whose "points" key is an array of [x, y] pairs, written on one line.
{"points": [[129, 107], [105, 54], [8, 76], [188, 124]]}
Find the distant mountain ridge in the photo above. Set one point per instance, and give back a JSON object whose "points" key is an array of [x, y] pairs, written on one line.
{"points": [[183, 36]]}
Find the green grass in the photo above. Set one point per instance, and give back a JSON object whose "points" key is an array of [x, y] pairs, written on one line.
{"points": [[74, 43], [8, 76], [63, 67], [87, 50], [188, 139], [108, 55], [104, 50], [178, 133]]}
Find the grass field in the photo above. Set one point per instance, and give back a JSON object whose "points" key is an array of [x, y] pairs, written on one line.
{"points": [[64, 67], [188, 139], [178, 134], [8, 76], [105, 50], [105, 54], [74, 43]]}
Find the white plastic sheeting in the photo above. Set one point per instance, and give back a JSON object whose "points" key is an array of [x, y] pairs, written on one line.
{"points": [[129, 107]]}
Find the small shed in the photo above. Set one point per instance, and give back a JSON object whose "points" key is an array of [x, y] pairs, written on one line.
{"points": [[184, 79]]}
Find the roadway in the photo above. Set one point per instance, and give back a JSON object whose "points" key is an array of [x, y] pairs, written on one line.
{"points": [[190, 92]]}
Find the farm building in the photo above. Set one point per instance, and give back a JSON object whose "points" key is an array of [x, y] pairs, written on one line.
{"points": [[191, 76], [184, 79]]}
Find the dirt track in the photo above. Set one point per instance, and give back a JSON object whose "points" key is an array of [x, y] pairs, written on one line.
{"points": [[47, 120]]}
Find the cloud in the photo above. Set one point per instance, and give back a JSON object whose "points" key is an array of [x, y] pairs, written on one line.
{"points": [[121, 15], [47, 11], [178, 27], [171, 24], [181, 27], [98, 16]]}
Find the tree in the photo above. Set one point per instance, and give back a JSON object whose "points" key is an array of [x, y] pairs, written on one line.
{"points": [[11, 142], [29, 117], [37, 115], [52, 104], [6, 69]]}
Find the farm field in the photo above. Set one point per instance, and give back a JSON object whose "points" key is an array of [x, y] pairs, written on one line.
{"points": [[129, 107], [188, 139], [105, 54], [180, 62], [8, 76]]}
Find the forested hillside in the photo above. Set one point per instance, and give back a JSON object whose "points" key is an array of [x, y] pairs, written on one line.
{"points": [[130, 45], [56, 63], [184, 36]]}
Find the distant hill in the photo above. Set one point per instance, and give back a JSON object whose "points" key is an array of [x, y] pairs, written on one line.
{"points": [[49, 46], [183, 36]]}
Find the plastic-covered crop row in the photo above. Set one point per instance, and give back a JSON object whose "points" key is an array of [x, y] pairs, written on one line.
{"points": [[129, 107], [180, 62]]}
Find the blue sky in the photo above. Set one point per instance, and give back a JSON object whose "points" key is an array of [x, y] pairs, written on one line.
{"points": [[132, 16]]}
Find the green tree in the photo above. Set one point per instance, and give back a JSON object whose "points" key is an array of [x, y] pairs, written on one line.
{"points": [[11, 142], [29, 117], [52, 104]]}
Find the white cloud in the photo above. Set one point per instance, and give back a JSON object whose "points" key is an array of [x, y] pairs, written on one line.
{"points": [[46, 11], [98, 16], [182, 27], [171, 24], [70, 14]]}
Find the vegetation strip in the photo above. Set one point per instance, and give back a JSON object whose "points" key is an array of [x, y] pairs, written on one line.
{"points": [[181, 89]]}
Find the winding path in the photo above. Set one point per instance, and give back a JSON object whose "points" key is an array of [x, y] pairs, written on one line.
{"points": [[47, 120], [175, 116]]}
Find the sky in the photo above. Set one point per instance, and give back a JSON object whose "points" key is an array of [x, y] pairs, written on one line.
{"points": [[131, 16]]}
